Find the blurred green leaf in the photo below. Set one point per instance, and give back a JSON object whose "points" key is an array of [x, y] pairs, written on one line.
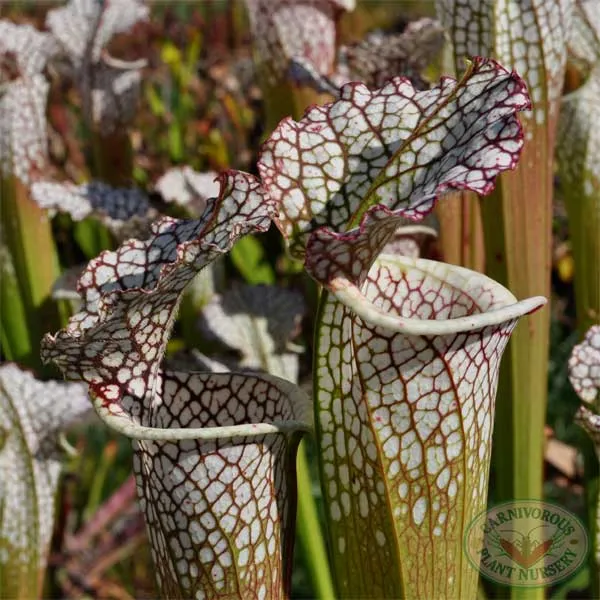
{"points": [[29, 269], [193, 52], [249, 258], [92, 237], [14, 335], [154, 100], [171, 55], [176, 147]]}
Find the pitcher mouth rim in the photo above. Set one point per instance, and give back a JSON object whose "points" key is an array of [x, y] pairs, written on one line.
{"points": [[132, 430], [115, 416], [510, 309]]}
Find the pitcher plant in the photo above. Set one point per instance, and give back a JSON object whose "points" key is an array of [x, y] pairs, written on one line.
{"points": [[284, 30], [215, 453], [403, 430], [33, 417], [109, 87]]}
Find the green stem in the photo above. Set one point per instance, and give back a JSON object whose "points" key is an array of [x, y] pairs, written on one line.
{"points": [[14, 334], [106, 462], [32, 265], [592, 497], [481, 595], [519, 211], [92, 236], [578, 152], [583, 211], [309, 531]]}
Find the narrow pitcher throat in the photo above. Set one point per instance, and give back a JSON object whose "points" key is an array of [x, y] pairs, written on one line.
{"points": [[505, 308]]}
